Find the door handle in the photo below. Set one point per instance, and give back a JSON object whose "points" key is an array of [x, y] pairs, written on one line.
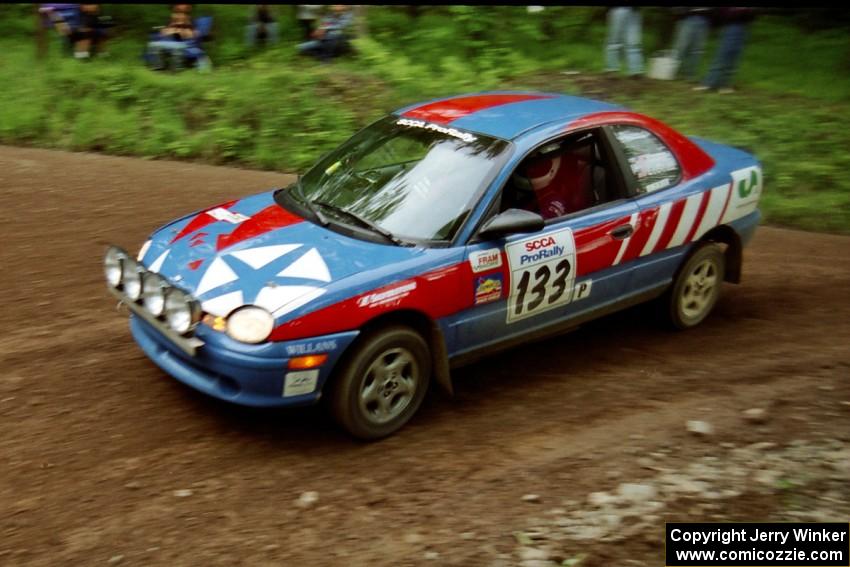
{"points": [[623, 231]]}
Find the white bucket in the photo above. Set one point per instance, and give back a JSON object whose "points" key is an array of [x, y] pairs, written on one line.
{"points": [[663, 67]]}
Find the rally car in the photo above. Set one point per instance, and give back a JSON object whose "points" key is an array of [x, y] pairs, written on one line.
{"points": [[440, 233]]}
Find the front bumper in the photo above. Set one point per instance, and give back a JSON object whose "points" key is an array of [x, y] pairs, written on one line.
{"points": [[249, 375]]}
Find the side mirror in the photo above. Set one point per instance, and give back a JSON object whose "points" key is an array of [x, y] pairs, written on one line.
{"points": [[512, 221]]}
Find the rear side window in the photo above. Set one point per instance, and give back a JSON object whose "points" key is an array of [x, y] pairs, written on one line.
{"points": [[652, 163]]}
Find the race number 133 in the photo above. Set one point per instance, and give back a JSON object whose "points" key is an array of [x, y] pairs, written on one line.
{"points": [[542, 273]]}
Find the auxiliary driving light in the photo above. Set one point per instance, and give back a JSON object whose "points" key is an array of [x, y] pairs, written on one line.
{"points": [[131, 278], [154, 289], [112, 265], [182, 312]]}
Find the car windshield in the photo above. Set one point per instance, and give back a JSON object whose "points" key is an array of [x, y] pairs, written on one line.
{"points": [[406, 178]]}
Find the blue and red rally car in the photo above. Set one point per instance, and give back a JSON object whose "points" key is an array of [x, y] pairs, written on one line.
{"points": [[439, 233]]}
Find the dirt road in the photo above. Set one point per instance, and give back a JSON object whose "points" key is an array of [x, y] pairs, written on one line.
{"points": [[106, 460]]}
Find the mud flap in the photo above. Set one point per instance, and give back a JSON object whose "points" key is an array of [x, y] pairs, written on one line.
{"points": [[440, 360]]}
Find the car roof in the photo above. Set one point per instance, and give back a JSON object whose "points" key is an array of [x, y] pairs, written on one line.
{"points": [[505, 114]]}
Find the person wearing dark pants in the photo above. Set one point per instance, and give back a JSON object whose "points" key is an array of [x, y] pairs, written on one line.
{"points": [[733, 36], [262, 27], [307, 14], [691, 35]]}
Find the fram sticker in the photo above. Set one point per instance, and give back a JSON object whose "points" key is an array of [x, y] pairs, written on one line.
{"points": [[299, 383], [484, 260], [387, 296], [225, 215], [488, 288]]}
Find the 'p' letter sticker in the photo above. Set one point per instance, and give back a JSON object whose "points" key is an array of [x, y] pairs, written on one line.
{"points": [[582, 289]]}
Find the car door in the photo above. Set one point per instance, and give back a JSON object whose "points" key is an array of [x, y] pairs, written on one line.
{"points": [[536, 282]]}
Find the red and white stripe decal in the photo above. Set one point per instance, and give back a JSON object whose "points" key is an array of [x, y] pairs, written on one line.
{"points": [[657, 229], [687, 220], [270, 218], [445, 111], [625, 243], [670, 227], [201, 220], [717, 201]]}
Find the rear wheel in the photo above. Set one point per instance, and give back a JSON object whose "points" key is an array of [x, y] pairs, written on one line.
{"points": [[382, 383], [697, 286]]}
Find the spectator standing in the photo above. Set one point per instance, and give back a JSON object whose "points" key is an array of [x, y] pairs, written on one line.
{"points": [[691, 35], [82, 26], [262, 27], [733, 35], [624, 34], [307, 14], [332, 36]]}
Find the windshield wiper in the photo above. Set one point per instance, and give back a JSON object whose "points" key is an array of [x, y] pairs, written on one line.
{"points": [[364, 222], [323, 220]]}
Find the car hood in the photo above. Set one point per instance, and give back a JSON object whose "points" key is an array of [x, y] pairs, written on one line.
{"points": [[253, 251]]}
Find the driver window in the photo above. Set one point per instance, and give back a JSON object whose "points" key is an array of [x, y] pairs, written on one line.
{"points": [[562, 177]]}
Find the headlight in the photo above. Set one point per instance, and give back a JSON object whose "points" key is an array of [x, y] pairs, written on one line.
{"points": [[112, 265], [154, 288], [131, 278], [250, 324], [181, 311]]}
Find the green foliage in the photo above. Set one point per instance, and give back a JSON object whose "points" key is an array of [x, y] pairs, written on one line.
{"points": [[270, 108]]}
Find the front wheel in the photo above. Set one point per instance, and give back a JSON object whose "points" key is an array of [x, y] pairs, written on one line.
{"points": [[382, 384], [697, 286]]}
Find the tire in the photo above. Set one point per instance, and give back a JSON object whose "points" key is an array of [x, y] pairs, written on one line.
{"points": [[696, 287], [382, 383]]}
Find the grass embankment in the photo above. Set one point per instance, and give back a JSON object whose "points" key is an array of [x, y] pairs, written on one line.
{"points": [[272, 109]]}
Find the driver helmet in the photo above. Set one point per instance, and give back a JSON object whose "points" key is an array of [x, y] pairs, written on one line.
{"points": [[541, 170]]}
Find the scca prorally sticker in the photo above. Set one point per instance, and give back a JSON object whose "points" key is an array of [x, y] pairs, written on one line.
{"points": [[383, 297], [484, 260], [542, 272], [310, 348], [299, 383], [465, 136], [488, 289], [225, 215]]}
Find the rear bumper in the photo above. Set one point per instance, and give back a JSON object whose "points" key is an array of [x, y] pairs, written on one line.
{"points": [[248, 375]]}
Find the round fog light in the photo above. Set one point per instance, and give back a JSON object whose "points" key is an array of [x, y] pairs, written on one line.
{"points": [[131, 277], [154, 288], [112, 265], [181, 311]]}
